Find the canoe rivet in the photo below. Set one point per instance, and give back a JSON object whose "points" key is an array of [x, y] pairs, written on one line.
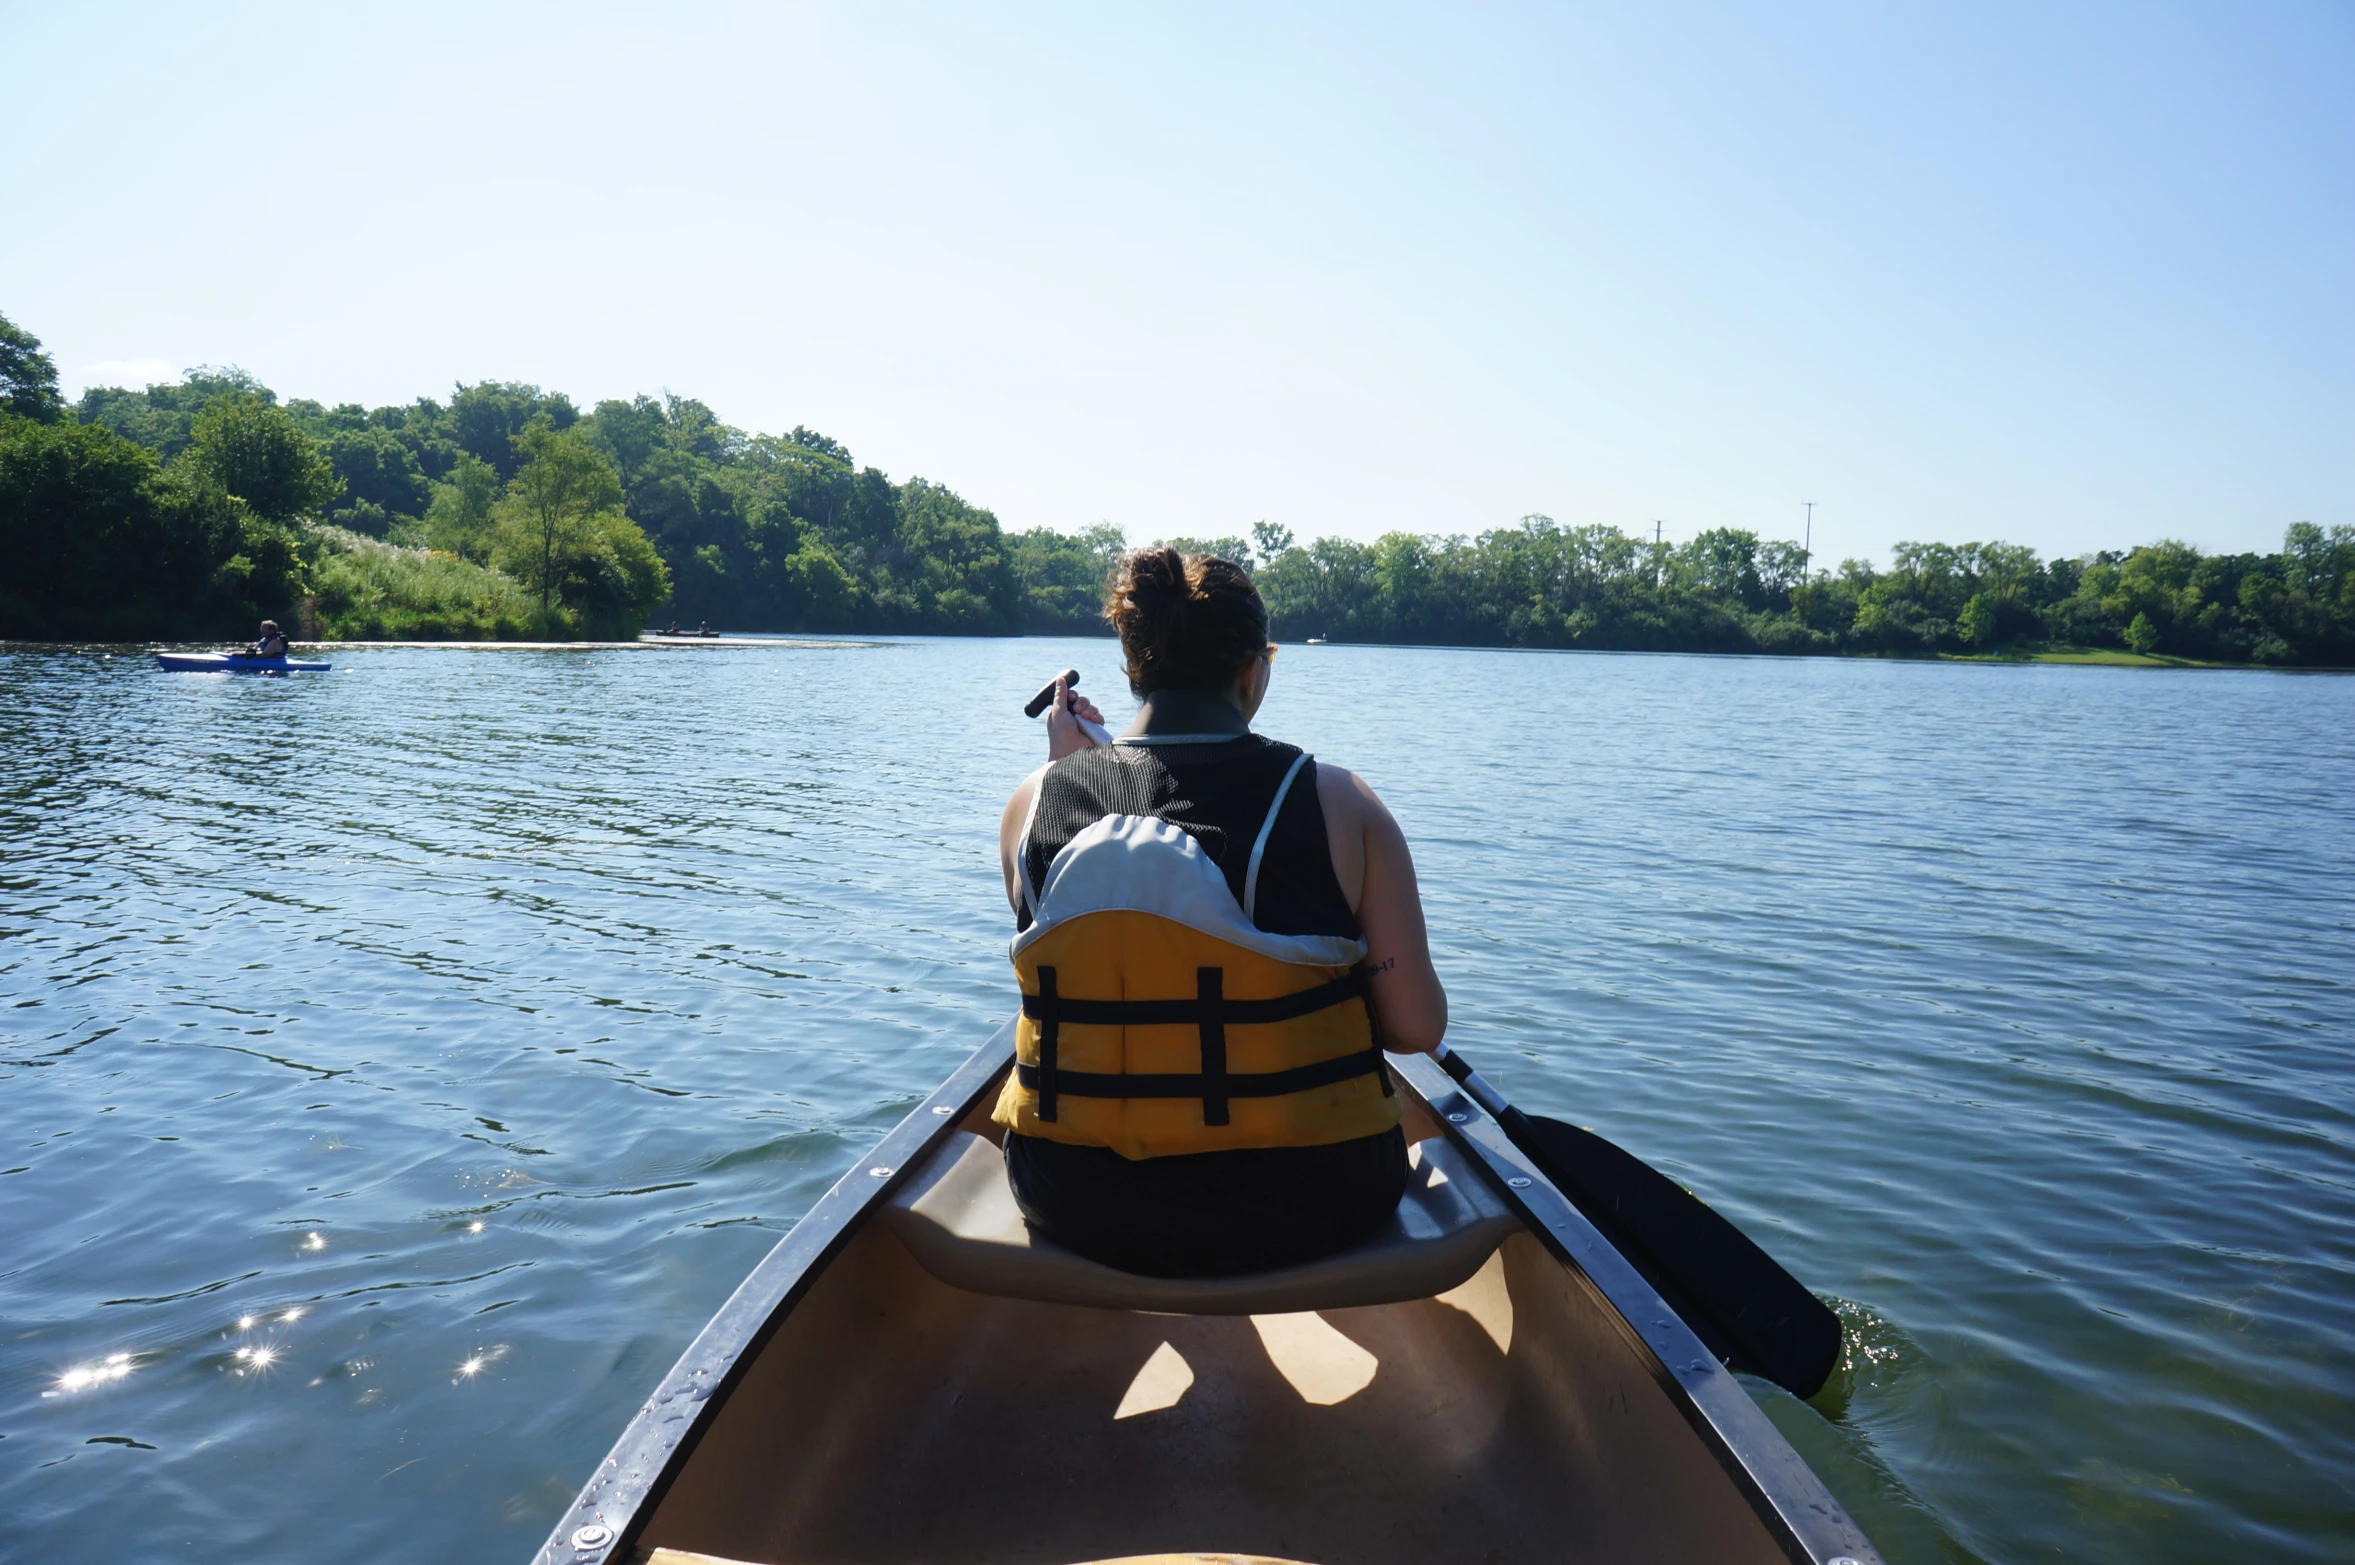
{"points": [[881, 1171], [1843, 1559], [1518, 1182], [594, 1536], [1459, 1118], [943, 1110]]}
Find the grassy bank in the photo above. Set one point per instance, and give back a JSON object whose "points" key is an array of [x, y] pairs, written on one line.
{"points": [[2063, 652], [367, 590], [2120, 657]]}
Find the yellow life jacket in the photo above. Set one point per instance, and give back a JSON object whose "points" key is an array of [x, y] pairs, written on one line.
{"points": [[1158, 1019]]}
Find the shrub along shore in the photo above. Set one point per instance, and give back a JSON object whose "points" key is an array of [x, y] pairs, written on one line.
{"points": [[194, 508]]}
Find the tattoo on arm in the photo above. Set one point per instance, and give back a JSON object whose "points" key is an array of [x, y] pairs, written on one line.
{"points": [[1383, 966]]}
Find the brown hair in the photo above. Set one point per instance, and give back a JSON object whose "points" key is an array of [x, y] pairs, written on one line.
{"points": [[1186, 621]]}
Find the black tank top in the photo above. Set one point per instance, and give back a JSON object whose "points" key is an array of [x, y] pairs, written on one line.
{"points": [[1219, 795]]}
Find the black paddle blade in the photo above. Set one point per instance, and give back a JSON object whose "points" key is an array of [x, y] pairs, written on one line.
{"points": [[1749, 1311]]}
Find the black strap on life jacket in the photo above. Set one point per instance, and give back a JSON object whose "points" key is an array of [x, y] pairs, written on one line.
{"points": [[1212, 1013]]}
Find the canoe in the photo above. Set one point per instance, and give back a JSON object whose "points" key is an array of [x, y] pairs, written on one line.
{"points": [[232, 663], [910, 1376]]}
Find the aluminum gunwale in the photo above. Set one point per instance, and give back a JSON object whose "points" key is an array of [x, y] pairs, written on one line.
{"points": [[1812, 1527], [638, 1470]]}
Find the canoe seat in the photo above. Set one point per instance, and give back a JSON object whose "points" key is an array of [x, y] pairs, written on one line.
{"points": [[957, 1215], [683, 1557]]}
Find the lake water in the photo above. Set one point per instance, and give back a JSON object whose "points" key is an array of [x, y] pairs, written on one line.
{"points": [[401, 1064]]}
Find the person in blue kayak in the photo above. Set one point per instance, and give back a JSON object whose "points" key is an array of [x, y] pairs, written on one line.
{"points": [[269, 644], [1216, 939]]}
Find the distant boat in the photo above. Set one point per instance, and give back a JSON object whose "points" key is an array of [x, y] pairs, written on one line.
{"points": [[232, 663], [1316, 641]]}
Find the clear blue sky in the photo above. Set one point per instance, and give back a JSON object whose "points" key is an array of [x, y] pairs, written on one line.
{"points": [[2070, 275]]}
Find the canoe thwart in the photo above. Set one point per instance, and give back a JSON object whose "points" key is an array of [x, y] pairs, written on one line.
{"points": [[957, 1215]]}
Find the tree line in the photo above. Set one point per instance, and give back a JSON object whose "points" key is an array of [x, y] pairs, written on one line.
{"points": [[192, 508], [423, 519], [1540, 584], [196, 508]]}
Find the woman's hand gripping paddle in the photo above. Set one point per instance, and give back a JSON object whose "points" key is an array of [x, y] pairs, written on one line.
{"points": [[1073, 723], [1743, 1306]]}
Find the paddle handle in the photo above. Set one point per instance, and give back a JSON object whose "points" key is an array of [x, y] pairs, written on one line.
{"points": [[1046, 696], [1097, 733]]}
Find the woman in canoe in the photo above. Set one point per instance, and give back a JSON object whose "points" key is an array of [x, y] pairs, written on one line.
{"points": [[1216, 939]]}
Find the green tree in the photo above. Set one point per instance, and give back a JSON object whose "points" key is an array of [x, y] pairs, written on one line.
{"points": [[488, 419], [1723, 562], [562, 484], [255, 451], [381, 479], [683, 483], [102, 541], [609, 578], [948, 566], [28, 378], [1229, 548], [458, 518], [1976, 623], [2142, 635], [818, 592], [1063, 577], [162, 416]]}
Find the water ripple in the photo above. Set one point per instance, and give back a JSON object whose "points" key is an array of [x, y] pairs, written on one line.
{"points": [[350, 1020]]}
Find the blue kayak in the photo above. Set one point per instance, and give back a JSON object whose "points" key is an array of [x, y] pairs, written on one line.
{"points": [[232, 663]]}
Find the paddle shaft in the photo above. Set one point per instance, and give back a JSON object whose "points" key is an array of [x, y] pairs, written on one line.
{"points": [[1748, 1311], [1477, 1085]]}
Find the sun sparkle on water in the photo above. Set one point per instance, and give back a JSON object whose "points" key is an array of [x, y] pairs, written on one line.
{"points": [[83, 1376]]}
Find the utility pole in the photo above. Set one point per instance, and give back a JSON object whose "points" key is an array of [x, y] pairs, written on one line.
{"points": [[1807, 549], [1655, 531]]}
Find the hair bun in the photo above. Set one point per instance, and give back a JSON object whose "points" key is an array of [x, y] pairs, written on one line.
{"points": [[1155, 577], [1186, 621]]}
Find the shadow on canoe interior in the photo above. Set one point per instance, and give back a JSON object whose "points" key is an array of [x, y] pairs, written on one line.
{"points": [[896, 1418]]}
